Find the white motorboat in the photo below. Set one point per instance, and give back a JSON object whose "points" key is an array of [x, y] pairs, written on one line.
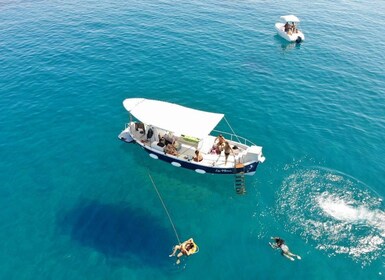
{"points": [[288, 29], [174, 133]]}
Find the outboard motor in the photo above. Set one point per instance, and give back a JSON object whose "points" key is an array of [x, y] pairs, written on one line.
{"points": [[298, 40]]}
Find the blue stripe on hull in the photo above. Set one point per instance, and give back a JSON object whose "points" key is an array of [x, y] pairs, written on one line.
{"points": [[213, 170]]}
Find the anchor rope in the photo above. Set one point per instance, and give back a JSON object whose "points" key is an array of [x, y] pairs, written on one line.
{"points": [[165, 208], [232, 129], [236, 137]]}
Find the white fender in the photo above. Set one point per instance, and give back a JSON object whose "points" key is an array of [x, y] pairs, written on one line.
{"points": [[154, 156], [177, 164]]}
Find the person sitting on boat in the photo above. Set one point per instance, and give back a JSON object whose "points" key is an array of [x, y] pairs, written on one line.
{"points": [[227, 148], [161, 142], [170, 149], [187, 248], [219, 143], [169, 137], [198, 156], [280, 244], [139, 126]]}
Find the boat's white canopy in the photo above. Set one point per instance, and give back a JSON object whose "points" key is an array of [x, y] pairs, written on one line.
{"points": [[290, 18], [172, 117]]}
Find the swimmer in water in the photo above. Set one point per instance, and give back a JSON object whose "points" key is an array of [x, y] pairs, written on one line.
{"points": [[280, 244]]}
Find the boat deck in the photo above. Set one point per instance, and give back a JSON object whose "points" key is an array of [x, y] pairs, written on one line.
{"points": [[186, 148]]}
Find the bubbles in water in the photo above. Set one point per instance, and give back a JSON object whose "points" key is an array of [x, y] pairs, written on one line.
{"points": [[340, 214]]}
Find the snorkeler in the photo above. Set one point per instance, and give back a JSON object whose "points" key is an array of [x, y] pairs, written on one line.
{"points": [[280, 244]]}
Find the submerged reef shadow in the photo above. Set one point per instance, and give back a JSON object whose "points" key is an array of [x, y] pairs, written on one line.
{"points": [[119, 232]]}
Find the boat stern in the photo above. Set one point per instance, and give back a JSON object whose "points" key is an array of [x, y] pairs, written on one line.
{"points": [[125, 135], [254, 153]]}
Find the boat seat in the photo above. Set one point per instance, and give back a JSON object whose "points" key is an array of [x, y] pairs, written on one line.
{"points": [[206, 144], [154, 145], [186, 149]]}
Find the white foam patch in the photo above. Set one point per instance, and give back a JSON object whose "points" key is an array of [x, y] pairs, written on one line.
{"points": [[336, 212], [345, 211]]}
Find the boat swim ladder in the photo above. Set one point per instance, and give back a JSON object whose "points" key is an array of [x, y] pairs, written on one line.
{"points": [[239, 178]]}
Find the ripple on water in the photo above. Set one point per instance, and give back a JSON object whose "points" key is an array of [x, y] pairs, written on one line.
{"points": [[338, 213]]}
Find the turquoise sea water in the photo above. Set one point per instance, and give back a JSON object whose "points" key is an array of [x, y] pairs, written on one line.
{"points": [[77, 203]]}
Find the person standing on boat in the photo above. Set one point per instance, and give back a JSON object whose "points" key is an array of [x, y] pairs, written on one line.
{"points": [[228, 150], [219, 143], [294, 28], [287, 27]]}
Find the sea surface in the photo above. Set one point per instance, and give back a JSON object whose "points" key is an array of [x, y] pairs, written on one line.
{"points": [[77, 203]]}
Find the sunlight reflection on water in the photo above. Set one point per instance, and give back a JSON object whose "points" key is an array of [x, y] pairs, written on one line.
{"points": [[336, 212]]}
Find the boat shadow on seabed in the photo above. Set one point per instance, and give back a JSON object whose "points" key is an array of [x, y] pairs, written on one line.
{"points": [[119, 232]]}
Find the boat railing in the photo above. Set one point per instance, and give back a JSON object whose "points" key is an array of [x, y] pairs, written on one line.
{"points": [[227, 135], [234, 137]]}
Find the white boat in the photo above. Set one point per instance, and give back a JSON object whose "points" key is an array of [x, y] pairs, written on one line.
{"points": [[288, 29], [154, 124]]}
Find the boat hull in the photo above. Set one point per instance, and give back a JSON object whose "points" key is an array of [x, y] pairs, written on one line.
{"points": [[248, 169], [180, 150]]}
